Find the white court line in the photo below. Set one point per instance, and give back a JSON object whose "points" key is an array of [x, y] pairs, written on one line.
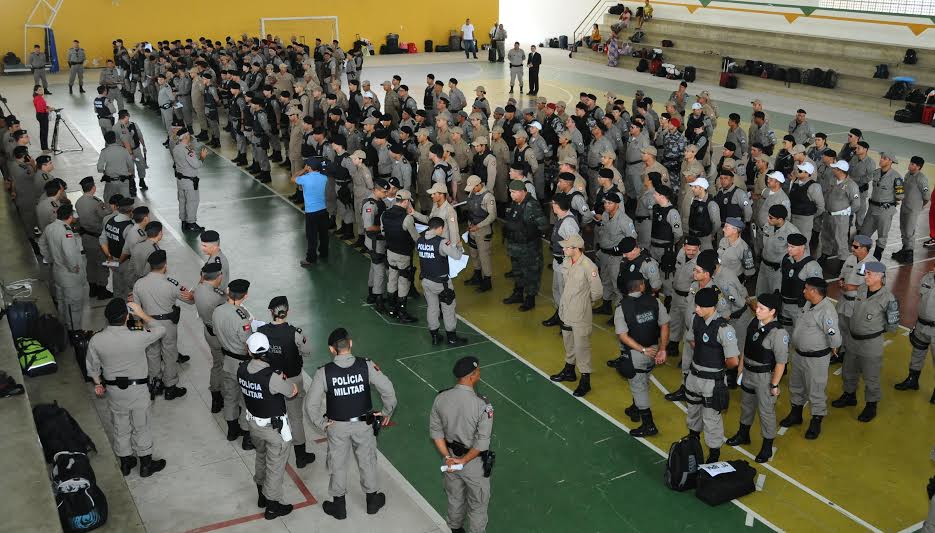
{"points": [[602, 440], [520, 407], [749, 520], [606, 416], [505, 361], [913, 527], [623, 475], [790, 479], [440, 350]]}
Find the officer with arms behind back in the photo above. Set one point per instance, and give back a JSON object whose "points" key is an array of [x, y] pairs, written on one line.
{"points": [[264, 391], [434, 252], [232, 325], [460, 425], [339, 405]]}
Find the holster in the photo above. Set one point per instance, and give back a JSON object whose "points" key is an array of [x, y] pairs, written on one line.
{"points": [[488, 459], [625, 366], [720, 399], [195, 181], [176, 314], [377, 258], [447, 296], [458, 449], [375, 421], [276, 423], [123, 382], [408, 273]]}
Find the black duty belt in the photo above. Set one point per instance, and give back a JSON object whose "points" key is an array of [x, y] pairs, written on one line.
{"points": [[683, 294], [634, 162], [739, 313], [361, 418], [926, 322], [107, 179], [610, 251], [849, 298], [819, 353], [658, 244], [759, 369], [641, 219], [866, 337], [884, 205], [124, 382], [441, 279], [237, 356], [83, 231], [705, 374], [770, 264], [167, 316], [514, 66], [165, 107]]}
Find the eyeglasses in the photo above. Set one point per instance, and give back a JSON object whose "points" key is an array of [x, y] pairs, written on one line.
{"points": [[855, 246]]}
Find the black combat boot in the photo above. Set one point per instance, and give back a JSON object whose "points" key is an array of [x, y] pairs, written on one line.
{"points": [[81, 89], [402, 314], [254, 167], [247, 442], [528, 303], [932, 399], [378, 305], [878, 253], [633, 412], [202, 136], [127, 464], [241, 160], [71, 90], [143, 186], [648, 427], [375, 501], [454, 340], [371, 297], [485, 285], [217, 402], [264, 177], [436, 338], [714, 455], [847, 399], [584, 385], [910, 383], [604, 309], [766, 451], [475, 279], [359, 243], [158, 387], [303, 457], [275, 509], [869, 412], [149, 467], [794, 418], [260, 497], [391, 304], [516, 297], [553, 320], [347, 232], [332, 223], [741, 437], [215, 143], [277, 157], [814, 427], [174, 392], [335, 508], [233, 430], [677, 396], [692, 434], [567, 374], [908, 257]]}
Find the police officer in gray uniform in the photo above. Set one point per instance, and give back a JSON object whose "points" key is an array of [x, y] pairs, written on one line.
{"points": [[76, 58], [117, 364], [642, 327], [775, 245], [112, 78], [460, 425], [211, 247], [339, 405], [208, 295], [37, 62], [678, 289], [139, 252], [165, 99], [265, 390], [715, 349], [91, 212], [372, 211], [434, 251], [842, 202], [764, 358], [796, 267], [851, 279], [615, 225], [734, 253], [875, 311], [233, 325], [116, 164], [187, 165], [516, 57], [887, 192], [288, 347], [916, 186], [815, 336], [565, 226], [113, 242], [157, 294], [806, 199], [861, 167], [62, 245], [922, 334], [481, 213]]}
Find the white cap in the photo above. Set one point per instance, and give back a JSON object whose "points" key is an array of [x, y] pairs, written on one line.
{"points": [[367, 94], [700, 182], [696, 105], [807, 167], [841, 165], [776, 175], [258, 343], [535, 124]]}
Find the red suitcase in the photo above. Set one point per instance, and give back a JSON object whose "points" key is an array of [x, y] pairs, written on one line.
{"points": [[412, 48], [928, 114]]}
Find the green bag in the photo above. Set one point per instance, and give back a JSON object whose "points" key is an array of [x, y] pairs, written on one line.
{"points": [[34, 358]]}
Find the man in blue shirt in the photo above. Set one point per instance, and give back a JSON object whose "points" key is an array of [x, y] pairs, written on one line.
{"points": [[314, 183]]}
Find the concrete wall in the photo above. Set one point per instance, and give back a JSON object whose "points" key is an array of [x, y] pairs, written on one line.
{"points": [[535, 20]]}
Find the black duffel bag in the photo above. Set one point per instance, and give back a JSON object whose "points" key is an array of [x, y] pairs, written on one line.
{"points": [[726, 486]]}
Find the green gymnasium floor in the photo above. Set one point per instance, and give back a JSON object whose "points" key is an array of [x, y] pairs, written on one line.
{"points": [[563, 464]]}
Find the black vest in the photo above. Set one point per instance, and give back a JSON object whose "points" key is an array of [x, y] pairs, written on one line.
{"points": [[115, 240], [100, 107], [519, 156], [515, 228], [283, 353], [708, 351], [577, 213], [798, 197], [478, 166], [446, 168], [347, 390], [662, 231], [398, 239], [726, 205], [380, 206], [792, 285], [557, 251], [258, 399], [271, 116], [642, 317], [753, 347], [341, 174], [475, 207], [699, 219], [434, 264], [235, 109], [631, 266]]}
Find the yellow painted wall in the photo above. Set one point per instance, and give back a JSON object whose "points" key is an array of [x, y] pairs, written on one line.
{"points": [[97, 22]]}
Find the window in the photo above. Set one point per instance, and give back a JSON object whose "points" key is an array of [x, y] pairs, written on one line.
{"points": [[890, 7]]}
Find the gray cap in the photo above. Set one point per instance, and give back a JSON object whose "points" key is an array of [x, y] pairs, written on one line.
{"points": [[875, 266], [734, 221], [889, 155], [864, 241]]}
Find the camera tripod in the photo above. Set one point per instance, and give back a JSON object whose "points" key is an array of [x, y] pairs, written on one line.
{"points": [[59, 121]]}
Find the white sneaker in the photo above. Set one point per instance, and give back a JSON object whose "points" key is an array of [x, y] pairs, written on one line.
{"points": [[929, 243]]}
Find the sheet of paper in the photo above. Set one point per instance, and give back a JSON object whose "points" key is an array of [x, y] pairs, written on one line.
{"points": [[256, 324], [111, 264], [714, 469], [452, 468], [179, 105], [464, 236], [420, 228], [455, 266]]}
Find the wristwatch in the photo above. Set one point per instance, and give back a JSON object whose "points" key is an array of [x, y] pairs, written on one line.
{"points": [[773, 386]]}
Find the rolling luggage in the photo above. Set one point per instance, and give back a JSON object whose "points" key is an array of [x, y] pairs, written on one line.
{"points": [[831, 79], [428, 45], [23, 316], [553, 42], [492, 54], [731, 480], [392, 41], [911, 57], [643, 65], [728, 80], [563, 41], [442, 48], [454, 42]]}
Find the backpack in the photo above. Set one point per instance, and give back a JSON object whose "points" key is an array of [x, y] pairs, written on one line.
{"points": [[911, 58], [22, 316], [666, 43], [882, 72], [908, 115], [816, 77], [689, 73], [655, 66], [748, 66], [51, 333], [59, 432], [916, 96], [685, 456], [831, 79], [897, 91], [11, 59], [781, 74], [637, 37], [34, 358], [81, 504], [616, 10], [725, 486], [643, 65], [794, 75]]}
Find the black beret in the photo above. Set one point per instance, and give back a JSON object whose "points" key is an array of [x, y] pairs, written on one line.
{"points": [[796, 239], [816, 282], [116, 310], [778, 211], [627, 244], [706, 297], [567, 176], [612, 197], [396, 149], [633, 275], [381, 183], [691, 240], [279, 301], [211, 267], [664, 190], [770, 300], [43, 159], [337, 335], [605, 173], [465, 366], [210, 236], [85, 181], [729, 145], [239, 286], [157, 258], [115, 199], [125, 202], [707, 261]]}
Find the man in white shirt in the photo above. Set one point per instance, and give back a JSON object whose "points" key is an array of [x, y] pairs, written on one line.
{"points": [[468, 42]]}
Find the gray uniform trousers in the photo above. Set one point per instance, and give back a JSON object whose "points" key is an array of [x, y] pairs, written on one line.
{"points": [[73, 304], [360, 194], [878, 220], [431, 290], [864, 208], [272, 456], [117, 186], [106, 125], [516, 73], [921, 335], [835, 232], [481, 251], [808, 382], [864, 357], [233, 397], [97, 273], [122, 281], [908, 219], [768, 280], [344, 213], [397, 283], [129, 413], [38, 78], [639, 384], [188, 112], [805, 223], [342, 437], [294, 410], [700, 417], [188, 200], [166, 118], [558, 281], [259, 153], [756, 397], [162, 355], [677, 324], [609, 265], [139, 162], [216, 378], [468, 496], [376, 278], [76, 71]]}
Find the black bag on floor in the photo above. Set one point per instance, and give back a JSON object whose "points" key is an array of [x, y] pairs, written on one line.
{"points": [[685, 456], [638, 36], [666, 43], [916, 96], [51, 333], [911, 58], [23, 316], [71, 465], [689, 73], [814, 77], [731, 82], [781, 74], [59, 432], [616, 10], [563, 41], [643, 65], [908, 116], [882, 72], [748, 66], [831, 79], [492, 54], [794, 75], [897, 91], [553, 42], [769, 70], [442, 48], [82, 505], [726, 486], [428, 45]]}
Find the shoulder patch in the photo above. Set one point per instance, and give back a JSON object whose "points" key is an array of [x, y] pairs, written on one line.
{"points": [[298, 330], [785, 339], [242, 313], [730, 335], [172, 281], [219, 292]]}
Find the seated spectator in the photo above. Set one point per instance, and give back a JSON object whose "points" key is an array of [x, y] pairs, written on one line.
{"points": [[595, 37]]}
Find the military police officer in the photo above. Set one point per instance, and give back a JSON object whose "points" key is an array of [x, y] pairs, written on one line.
{"points": [[516, 58], [886, 195], [208, 295], [842, 202], [615, 226], [399, 228], [339, 404], [565, 226], [76, 59], [916, 186], [371, 212], [233, 325], [852, 277], [922, 333], [796, 267], [678, 291], [91, 212], [187, 165], [61, 244], [523, 225], [434, 250], [481, 212]]}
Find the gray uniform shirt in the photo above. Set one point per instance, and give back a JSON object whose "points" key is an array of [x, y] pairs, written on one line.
{"points": [[516, 56], [736, 257], [221, 259], [842, 195], [776, 340], [916, 187], [874, 313], [733, 293], [156, 293], [684, 268], [232, 327], [37, 60], [315, 401], [770, 199], [139, 255], [76, 55], [861, 169], [926, 305], [118, 352], [91, 213], [615, 228], [886, 186], [187, 161], [803, 133], [207, 299], [115, 161], [852, 273], [817, 328], [459, 414]]}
